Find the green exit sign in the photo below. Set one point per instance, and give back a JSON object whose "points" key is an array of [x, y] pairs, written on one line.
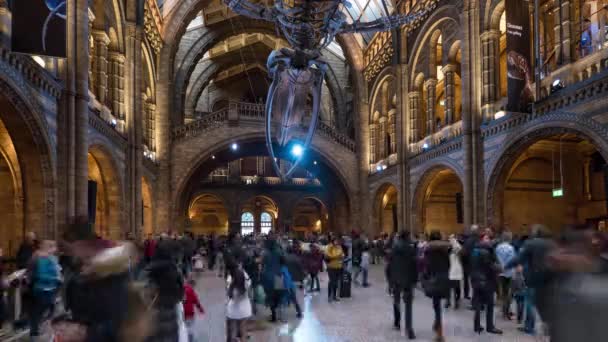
{"points": [[558, 192]]}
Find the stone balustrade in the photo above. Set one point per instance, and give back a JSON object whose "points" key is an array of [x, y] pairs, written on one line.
{"points": [[446, 134], [265, 181], [256, 112], [18, 66]]}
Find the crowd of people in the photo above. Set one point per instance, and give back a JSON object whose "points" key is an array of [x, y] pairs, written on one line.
{"points": [[148, 288]]}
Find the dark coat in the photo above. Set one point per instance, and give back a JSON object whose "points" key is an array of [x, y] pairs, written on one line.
{"points": [[532, 256], [314, 261], [271, 265], [168, 282], [24, 254], [358, 246], [437, 268], [403, 268], [295, 267], [484, 268]]}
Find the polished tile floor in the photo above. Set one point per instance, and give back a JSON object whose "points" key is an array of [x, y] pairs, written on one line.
{"points": [[366, 317]]}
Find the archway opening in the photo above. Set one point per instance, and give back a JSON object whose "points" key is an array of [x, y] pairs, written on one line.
{"points": [[556, 181], [386, 209], [11, 225], [261, 213], [310, 216], [208, 215], [442, 203], [104, 187], [148, 210]]}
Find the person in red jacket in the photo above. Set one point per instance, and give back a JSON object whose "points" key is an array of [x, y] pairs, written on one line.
{"points": [[191, 303]]}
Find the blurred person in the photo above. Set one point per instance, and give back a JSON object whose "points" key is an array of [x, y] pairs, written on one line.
{"points": [[149, 247], [357, 252], [470, 240], [26, 250], [484, 273], [435, 280], [456, 273], [45, 278], [191, 305], [532, 257], [334, 255], [314, 265], [271, 275], [289, 295], [365, 262], [404, 275], [238, 308], [505, 252], [518, 292]]}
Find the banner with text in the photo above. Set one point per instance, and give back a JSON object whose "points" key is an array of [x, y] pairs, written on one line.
{"points": [[39, 27], [519, 69]]}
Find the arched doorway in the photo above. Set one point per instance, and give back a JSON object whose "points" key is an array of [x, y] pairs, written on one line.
{"points": [[556, 180], [439, 202], [148, 210], [259, 215], [386, 209], [104, 182], [310, 215], [208, 215]]}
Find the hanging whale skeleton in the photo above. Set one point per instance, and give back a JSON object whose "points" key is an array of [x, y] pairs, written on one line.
{"points": [[297, 72]]}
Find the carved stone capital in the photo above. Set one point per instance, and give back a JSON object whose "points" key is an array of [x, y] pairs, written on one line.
{"points": [[490, 35], [449, 68], [430, 82], [100, 37]]}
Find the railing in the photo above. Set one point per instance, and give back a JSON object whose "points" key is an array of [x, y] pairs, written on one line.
{"points": [[253, 180], [250, 111], [104, 126], [444, 135], [24, 67]]}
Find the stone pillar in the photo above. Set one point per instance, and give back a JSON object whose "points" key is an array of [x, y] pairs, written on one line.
{"points": [[490, 45], [414, 109], [116, 85], [430, 85], [392, 119], [373, 157], [5, 25], [380, 139], [127, 105], [100, 65], [566, 41], [150, 120], [449, 83]]}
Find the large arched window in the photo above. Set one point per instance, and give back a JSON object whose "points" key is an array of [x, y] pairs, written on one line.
{"points": [[247, 223], [266, 223]]}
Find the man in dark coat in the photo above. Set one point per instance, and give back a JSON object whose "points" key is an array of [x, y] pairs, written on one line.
{"points": [[484, 275], [469, 241], [404, 275], [26, 251], [357, 246]]}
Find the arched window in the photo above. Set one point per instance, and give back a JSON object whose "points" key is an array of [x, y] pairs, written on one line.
{"points": [[247, 223], [266, 223]]}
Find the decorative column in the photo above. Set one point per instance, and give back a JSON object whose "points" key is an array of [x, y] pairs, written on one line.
{"points": [[450, 90], [490, 46], [392, 119], [565, 38], [100, 65], [373, 157], [116, 84], [414, 108], [381, 138], [150, 120], [430, 85]]}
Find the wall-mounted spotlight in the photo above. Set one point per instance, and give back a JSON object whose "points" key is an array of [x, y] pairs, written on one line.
{"points": [[213, 157], [499, 114], [557, 85], [378, 167], [314, 162], [234, 146], [113, 122], [425, 146]]}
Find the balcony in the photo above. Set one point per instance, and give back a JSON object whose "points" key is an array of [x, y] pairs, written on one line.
{"points": [[259, 181], [446, 134]]}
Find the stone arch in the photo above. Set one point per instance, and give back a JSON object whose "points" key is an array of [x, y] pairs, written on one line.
{"points": [[492, 14], [31, 160], [208, 214], [422, 185], [315, 222], [196, 160], [385, 221], [103, 170], [441, 16], [497, 167], [116, 33], [453, 52]]}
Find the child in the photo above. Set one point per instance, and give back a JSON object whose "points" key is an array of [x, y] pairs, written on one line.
{"points": [[238, 309], [365, 260], [191, 302]]}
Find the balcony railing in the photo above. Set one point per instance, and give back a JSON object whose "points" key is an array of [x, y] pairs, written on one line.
{"points": [[236, 111], [254, 180], [445, 134]]}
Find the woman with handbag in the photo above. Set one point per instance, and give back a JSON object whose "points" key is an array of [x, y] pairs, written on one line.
{"points": [[435, 280]]}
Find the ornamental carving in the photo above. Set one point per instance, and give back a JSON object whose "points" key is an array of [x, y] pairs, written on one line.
{"points": [[379, 51], [153, 25]]}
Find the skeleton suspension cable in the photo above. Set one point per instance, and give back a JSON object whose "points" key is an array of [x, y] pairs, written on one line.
{"points": [[243, 62]]}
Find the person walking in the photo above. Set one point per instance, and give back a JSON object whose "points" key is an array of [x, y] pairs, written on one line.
{"points": [[335, 256], [484, 271], [238, 308], [271, 275], [469, 241], [314, 265], [289, 295], [191, 304], [505, 252], [436, 281], [456, 273], [45, 279], [404, 275]]}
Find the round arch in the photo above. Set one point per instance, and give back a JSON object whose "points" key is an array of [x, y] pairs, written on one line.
{"points": [[208, 214], [501, 166], [104, 174], [258, 205], [439, 191], [385, 217], [310, 215], [25, 148]]}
